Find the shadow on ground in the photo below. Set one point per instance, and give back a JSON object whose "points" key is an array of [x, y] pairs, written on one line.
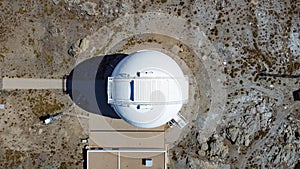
{"points": [[87, 83]]}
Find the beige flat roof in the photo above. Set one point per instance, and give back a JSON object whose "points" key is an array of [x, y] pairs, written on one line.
{"points": [[125, 159], [103, 160], [128, 162]]}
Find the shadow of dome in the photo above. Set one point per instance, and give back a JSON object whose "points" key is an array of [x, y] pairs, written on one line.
{"points": [[87, 83]]}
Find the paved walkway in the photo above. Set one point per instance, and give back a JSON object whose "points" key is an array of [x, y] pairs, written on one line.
{"points": [[1, 84], [23, 83]]}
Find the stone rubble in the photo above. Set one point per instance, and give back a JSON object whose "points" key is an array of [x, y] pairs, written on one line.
{"points": [[89, 8]]}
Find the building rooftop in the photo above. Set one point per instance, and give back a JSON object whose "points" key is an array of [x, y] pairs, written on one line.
{"points": [[115, 144], [126, 159]]}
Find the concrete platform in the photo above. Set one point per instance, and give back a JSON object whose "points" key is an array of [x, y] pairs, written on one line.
{"points": [[98, 122], [127, 139], [108, 133]]}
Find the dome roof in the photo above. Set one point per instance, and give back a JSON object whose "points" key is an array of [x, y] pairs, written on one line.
{"points": [[147, 89]]}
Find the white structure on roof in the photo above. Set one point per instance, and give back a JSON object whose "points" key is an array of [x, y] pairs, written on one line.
{"points": [[147, 89]]}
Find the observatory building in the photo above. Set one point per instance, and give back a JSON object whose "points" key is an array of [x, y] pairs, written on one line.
{"points": [[130, 98], [147, 89]]}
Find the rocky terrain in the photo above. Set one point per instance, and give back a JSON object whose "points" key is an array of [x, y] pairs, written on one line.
{"points": [[258, 124]]}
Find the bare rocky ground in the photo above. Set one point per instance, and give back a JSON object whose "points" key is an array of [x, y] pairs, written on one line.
{"points": [[260, 122]]}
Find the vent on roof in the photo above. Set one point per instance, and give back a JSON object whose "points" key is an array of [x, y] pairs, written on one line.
{"points": [[296, 95], [147, 162]]}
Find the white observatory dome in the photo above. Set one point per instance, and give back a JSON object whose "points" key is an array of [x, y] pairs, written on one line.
{"points": [[147, 89]]}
